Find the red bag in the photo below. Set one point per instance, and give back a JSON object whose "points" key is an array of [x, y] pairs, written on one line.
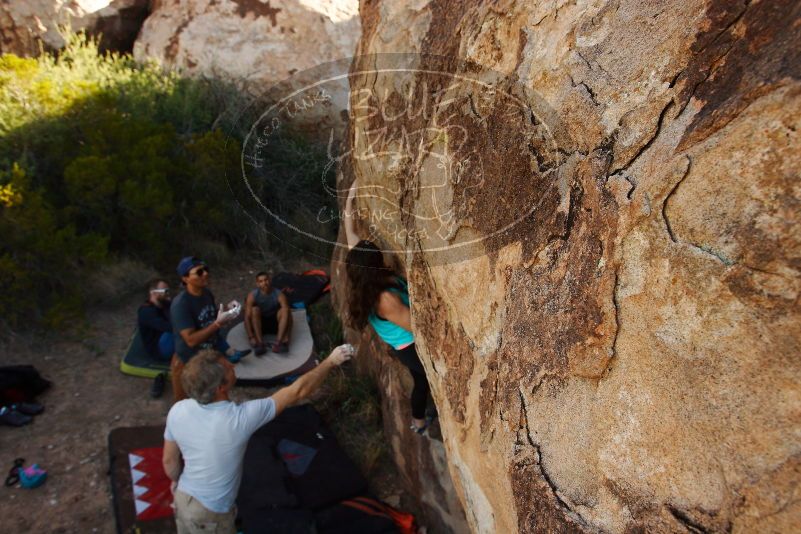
{"points": [[404, 521]]}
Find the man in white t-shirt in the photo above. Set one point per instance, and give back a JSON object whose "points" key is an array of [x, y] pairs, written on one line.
{"points": [[211, 433]]}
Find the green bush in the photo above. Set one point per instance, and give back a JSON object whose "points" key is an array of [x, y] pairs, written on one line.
{"points": [[102, 159], [105, 160], [296, 166]]}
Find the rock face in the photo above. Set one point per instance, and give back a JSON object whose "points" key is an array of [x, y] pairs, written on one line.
{"points": [[25, 26], [257, 43], [598, 207], [422, 462], [249, 39]]}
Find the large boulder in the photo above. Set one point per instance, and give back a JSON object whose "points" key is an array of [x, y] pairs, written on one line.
{"points": [[27, 27], [598, 207], [249, 39], [255, 43]]}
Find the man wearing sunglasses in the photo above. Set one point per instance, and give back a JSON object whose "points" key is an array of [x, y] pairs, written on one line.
{"points": [[197, 321]]}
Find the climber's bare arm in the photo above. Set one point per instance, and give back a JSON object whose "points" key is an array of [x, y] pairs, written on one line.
{"points": [[348, 217]]}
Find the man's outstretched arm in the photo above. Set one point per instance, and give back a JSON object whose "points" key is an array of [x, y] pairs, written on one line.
{"points": [[308, 383]]}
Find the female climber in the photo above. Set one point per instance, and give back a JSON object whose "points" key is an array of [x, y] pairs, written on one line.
{"points": [[380, 298]]}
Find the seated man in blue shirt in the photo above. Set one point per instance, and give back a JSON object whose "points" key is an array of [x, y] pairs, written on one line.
{"points": [[210, 433]]}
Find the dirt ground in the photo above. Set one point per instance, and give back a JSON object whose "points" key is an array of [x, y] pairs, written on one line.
{"points": [[90, 397]]}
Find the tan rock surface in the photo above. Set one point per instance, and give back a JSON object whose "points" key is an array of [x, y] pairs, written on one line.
{"points": [[604, 255], [268, 41], [27, 25], [258, 43]]}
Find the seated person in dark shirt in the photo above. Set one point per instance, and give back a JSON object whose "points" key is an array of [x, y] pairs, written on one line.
{"points": [[197, 320], [267, 311], [153, 319]]}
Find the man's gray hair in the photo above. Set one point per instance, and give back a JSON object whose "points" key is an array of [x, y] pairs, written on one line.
{"points": [[202, 375]]}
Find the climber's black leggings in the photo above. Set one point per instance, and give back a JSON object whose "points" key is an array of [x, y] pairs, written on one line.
{"points": [[408, 356]]}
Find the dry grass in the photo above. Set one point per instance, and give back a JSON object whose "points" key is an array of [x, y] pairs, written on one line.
{"points": [[116, 281], [350, 402], [351, 406]]}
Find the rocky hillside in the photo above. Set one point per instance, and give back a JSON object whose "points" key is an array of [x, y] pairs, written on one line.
{"points": [[28, 26], [596, 204]]}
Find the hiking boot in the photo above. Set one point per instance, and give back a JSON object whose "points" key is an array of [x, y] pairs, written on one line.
{"points": [[259, 349], [280, 348], [157, 389], [28, 408], [13, 417], [238, 355]]}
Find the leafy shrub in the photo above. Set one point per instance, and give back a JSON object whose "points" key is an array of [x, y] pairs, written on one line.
{"points": [[295, 168], [103, 159]]}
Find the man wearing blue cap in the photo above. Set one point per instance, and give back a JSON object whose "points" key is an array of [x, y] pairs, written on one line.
{"points": [[196, 320]]}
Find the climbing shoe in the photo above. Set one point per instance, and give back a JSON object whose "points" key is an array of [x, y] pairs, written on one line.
{"points": [[28, 408], [421, 430], [431, 414], [13, 417], [238, 355], [157, 389], [280, 348]]}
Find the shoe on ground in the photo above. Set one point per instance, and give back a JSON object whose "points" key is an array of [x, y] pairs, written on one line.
{"points": [[280, 348], [238, 355], [259, 349], [157, 389], [13, 417], [28, 408]]}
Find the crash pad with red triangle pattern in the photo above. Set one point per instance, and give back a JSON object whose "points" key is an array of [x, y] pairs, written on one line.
{"points": [[141, 489], [151, 487]]}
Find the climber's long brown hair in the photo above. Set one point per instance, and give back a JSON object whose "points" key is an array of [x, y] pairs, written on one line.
{"points": [[368, 277]]}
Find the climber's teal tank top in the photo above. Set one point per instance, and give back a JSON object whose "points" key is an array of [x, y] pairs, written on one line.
{"points": [[396, 336]]}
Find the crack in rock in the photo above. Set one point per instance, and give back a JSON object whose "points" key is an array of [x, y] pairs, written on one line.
{"points": [[647, 145], [586, 88], [685, 172], [707, 250], [545, 476], [688, 522], [616, 304]]}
